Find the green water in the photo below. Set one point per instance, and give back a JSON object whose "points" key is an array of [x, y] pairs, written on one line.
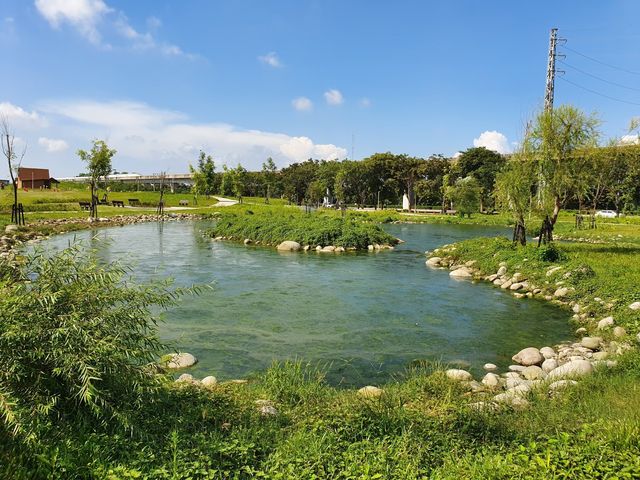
{"points": [[365, 316]]}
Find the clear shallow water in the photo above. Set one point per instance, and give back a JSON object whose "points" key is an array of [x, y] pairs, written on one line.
{"points": [[366, 315]]}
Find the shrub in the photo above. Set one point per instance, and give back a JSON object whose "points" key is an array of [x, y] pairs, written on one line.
{"points": [[76, 340]]}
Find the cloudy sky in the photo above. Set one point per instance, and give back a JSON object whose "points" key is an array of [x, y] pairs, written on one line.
{"points": [[247, 79]]}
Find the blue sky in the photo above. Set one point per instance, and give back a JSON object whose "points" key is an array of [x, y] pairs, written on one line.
{"points": [[244, 80]]}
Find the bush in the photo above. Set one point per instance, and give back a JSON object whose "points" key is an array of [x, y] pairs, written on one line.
{"points": [[76, 340]]}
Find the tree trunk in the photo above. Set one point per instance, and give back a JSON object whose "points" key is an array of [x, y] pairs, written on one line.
{"points": [[520, 232]]}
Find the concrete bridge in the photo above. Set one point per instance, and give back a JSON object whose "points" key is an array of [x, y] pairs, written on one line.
{"points": [[170, 179]]}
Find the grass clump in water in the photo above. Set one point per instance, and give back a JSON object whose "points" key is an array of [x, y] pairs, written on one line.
{"points": [[275, 225]]}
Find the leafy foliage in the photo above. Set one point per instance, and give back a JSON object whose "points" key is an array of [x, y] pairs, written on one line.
{"points": [[77, 340]]}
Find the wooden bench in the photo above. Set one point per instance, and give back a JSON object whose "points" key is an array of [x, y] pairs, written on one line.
{"points": [[134, 202], [183, 203], [84, 205], [117, 203]]}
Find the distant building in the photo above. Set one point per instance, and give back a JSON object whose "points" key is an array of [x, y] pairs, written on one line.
{"points": [[35, 178]]}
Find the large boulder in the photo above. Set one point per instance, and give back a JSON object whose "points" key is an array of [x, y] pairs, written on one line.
{"points": [[462, 272], [434, 262], [605, 323], [209, 381], [528, 356], [592, 343], [548, 352], [458, 374], [549, 364], [288, 246], [533, 372], [491, 380], [180, 360], [575, 368]]}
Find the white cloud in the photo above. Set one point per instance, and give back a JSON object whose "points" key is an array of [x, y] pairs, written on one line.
{"points": [[302, 104], [365, 102], [630, 140], [146, 137], [53, 145], [493, 140], [334, 97], [84, 15], [14, 113], [271, 59]]}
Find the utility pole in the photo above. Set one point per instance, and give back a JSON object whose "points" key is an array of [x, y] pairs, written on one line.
{"points": [[551, 68]]}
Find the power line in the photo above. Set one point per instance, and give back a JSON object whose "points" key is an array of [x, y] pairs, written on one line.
{"points": [[598, 93], [600, 61], [599, 78]]}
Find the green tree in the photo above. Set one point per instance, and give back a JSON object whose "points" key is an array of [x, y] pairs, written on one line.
{"points": [[482, 164], [98, 161], [269, 172], [465, 194], [513, 192], [204, 176], [552, 142], [226, 182], [239, 180]]}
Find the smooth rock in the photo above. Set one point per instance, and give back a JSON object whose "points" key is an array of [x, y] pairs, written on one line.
{"points": [[592, 343], [491, 380], [574, 368], [185, 378], [581, 331], [502, 271], [605, 323], [458, 374], [490, 367], [11, 228], [619, 332], [528, 356], [549, 364], [462, 272], [600, 356], [370, 392], [181, 360], [247, 241], [548, 352], [209, 381], [515, 286], [328, 248], [506, 285], [533, 372], [635, 306], [434, 261], [516, 368], [561, 292], [339, 249], [288, 246]]}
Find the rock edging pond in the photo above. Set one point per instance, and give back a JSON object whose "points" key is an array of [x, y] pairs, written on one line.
{"points": [[534, 370]]}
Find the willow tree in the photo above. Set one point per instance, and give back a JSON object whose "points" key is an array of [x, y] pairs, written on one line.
{"points": [[513, 191], [98, 161], [552, 142]]}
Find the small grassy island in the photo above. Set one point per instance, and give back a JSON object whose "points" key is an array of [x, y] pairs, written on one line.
{"points": [[277, 225]]}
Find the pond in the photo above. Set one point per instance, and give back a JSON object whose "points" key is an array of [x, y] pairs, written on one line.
{"points": [[363, 316]]}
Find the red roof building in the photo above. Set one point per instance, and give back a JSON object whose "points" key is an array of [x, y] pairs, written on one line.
{"points": [[34, 178]]}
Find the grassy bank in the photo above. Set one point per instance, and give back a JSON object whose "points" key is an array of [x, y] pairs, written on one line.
{"points": [[420, 427], [274, 225]]}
